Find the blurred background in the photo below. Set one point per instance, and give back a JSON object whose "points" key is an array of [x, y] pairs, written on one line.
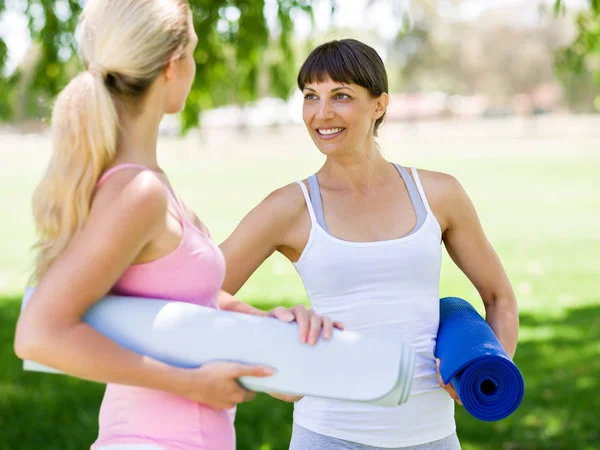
{"points": [[504, 95]]}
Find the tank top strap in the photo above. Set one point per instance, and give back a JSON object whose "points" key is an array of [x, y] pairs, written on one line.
{"points": [[112, 170], [311, 211], [415, 197], [317, 202], [420, 188]]}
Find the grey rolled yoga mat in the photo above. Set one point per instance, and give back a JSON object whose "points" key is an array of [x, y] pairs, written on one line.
{"points": [[350, 366]]}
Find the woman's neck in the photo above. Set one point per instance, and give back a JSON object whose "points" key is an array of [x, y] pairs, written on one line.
{"points": [[138, 137], [359, 170]]}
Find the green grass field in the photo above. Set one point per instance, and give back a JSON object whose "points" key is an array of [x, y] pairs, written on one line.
{"points": [[537, 194]]}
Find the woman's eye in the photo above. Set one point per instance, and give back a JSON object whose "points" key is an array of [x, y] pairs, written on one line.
{"points": [[310, 97], [342, 96]]}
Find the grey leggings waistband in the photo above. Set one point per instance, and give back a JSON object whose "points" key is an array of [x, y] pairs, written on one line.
{"points": [[303, 439]]}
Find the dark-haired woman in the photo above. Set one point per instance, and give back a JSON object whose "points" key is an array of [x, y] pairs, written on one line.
{"points": [[364, 234]]}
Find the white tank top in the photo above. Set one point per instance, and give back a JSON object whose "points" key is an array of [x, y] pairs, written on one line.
{"points": [[388, 289]]}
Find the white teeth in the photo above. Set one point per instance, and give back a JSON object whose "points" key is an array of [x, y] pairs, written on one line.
{"points": [[330, 131]]}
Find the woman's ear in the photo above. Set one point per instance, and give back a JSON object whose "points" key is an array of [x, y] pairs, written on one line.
{"points": [[382, 104], [170, 70]]}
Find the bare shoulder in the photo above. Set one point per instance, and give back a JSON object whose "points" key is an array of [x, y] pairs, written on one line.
{"points": [[445, 194], [290, 221], [284, 204], [134, 193], [281, 219], [279, 222], [438, 183]]}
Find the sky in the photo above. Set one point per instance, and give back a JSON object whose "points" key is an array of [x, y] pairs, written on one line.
{"points": [[382, 18]]}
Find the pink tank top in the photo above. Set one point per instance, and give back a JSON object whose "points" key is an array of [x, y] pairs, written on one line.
{"points": [[192, 273]]}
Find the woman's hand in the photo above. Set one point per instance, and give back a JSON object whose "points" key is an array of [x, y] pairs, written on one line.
{"points": [[310, 325], [215, 384], [286, 397], [447, 387]]}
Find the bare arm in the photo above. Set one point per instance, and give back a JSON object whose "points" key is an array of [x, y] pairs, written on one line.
{"points": [[469, 248], [229, 303], [279, 223], [51, 330], [265, 229], [127, 214], [233, 250]]}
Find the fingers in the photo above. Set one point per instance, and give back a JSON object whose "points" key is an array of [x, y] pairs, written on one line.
{"points": [[247, 370], [447, 387], [286, 398], [310, 325], [248, 395], [327, 327], [303, 320], [437, 366], [450, 390], [439, 375], [236, 396], [283, 314], [239, 393], [315, 323]]}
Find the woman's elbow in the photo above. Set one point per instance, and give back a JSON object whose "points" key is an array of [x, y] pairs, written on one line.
{"points": [[24, 344], [499, 297], [29, 341]]}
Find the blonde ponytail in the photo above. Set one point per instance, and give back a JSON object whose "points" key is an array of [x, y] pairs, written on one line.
{"points": [[124, 44], [84, 137]]}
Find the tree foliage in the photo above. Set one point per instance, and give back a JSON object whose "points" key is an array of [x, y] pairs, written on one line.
{"points": [[234, 36], [576, 62], [491, 56]]}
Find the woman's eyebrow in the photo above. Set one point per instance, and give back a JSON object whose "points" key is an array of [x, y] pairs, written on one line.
{"points": [[333, 90], [343, 87]]}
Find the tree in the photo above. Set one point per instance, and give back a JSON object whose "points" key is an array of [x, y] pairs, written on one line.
{"points": [[234, 36], [578, 65], [492, 55]]}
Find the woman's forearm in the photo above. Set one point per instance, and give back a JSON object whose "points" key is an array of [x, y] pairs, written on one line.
{"points": [[229, 303], [503, 317], [83, 352]]}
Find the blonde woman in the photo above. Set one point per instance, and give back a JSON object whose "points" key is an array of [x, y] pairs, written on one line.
{"points": [[108, 219]]}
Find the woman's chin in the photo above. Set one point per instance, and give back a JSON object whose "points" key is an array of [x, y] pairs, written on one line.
{"points": [[330, 149], [327, 147]]}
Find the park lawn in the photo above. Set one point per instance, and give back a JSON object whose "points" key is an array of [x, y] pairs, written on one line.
{"points": [[538, 202]]}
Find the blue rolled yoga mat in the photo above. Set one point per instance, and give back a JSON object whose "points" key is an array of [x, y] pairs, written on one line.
{"points": [[488, 383], [350, 366]]}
